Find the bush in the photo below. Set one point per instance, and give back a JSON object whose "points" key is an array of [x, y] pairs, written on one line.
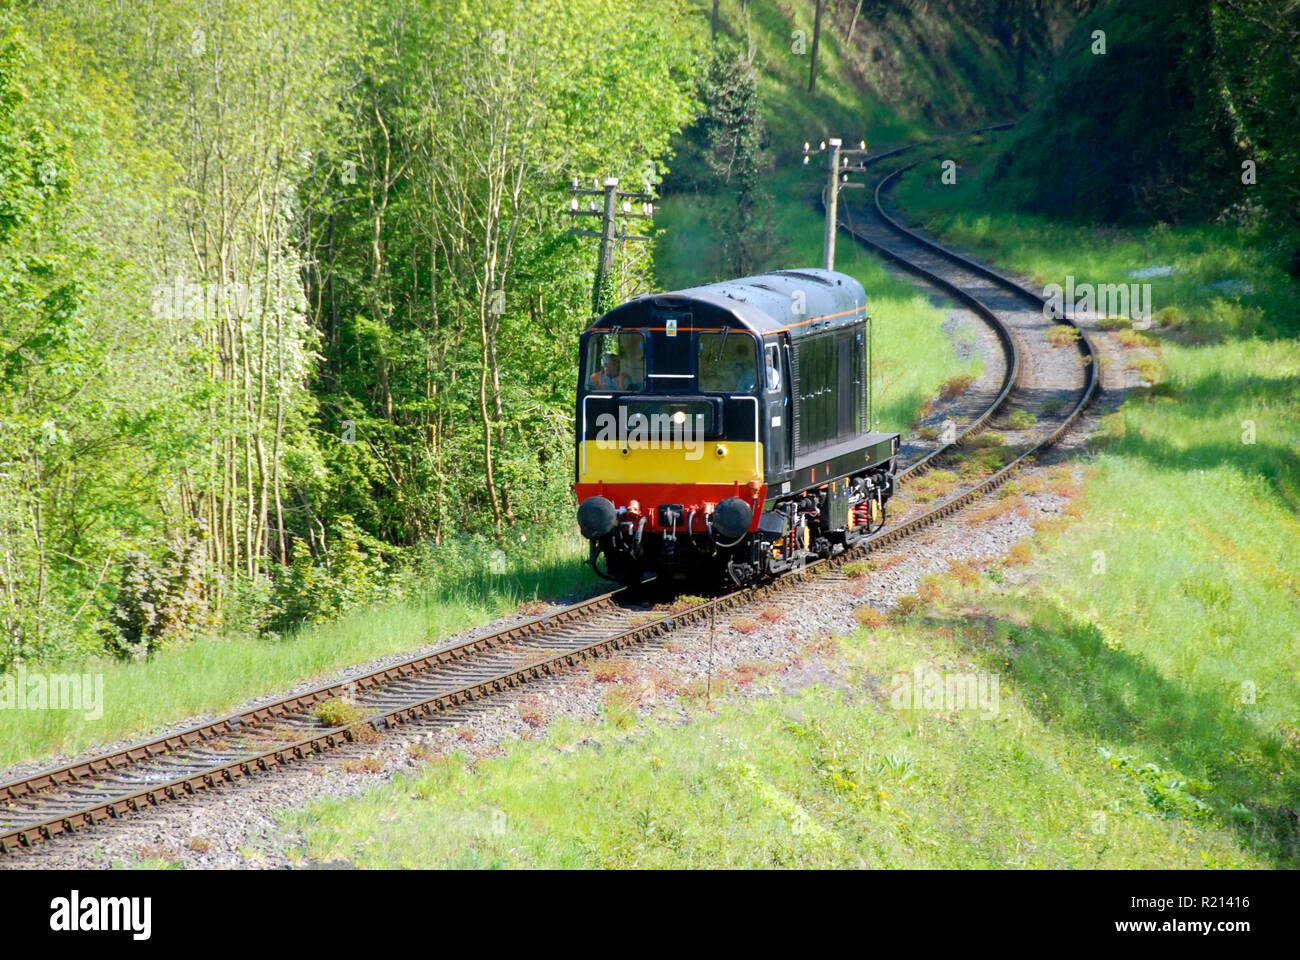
{"points": [[1062, 335], [869, 617], [907, 606], [955, 386], [860, 568], [312, 591], [158, 604]]}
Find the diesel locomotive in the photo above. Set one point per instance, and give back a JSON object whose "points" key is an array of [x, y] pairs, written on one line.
{"points": [[724, 431]]}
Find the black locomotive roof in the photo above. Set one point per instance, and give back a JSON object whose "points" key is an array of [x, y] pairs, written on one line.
{"points": [[765, 303]]}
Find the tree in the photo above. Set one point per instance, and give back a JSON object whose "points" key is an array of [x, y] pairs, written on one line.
{"points": [[735, 134], [1257, 64], [816, 44], [483, 289]]}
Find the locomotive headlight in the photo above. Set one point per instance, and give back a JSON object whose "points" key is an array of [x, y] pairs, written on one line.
{"points": [[721, 450], [679, 417]]}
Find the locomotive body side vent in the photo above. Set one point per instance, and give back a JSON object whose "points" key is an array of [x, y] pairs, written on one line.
{"points": [[797, 397]]}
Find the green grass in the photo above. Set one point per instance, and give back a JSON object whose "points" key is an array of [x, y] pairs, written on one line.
{"points": [[1203, 301], [821, 779], [213, 675], [1167, 621], [913, 356]]}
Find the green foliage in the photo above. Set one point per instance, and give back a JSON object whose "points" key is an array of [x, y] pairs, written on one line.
{"points": [[893, 71], [401, 370], [337, 712], [1158, 128], [1257, 45], [310, 590], [158, 605], [1169, 794], [731, 136], [83, 432], [450, 296], [1021, 420]]}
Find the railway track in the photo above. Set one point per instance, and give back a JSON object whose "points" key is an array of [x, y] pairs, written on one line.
{"points": [[132, 779], [1024, 333]]}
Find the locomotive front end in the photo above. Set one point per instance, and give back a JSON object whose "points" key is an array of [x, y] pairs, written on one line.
{"points": [[724, 432], [669, 450]]}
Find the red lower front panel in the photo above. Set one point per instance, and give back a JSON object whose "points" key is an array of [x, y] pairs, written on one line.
{"points": [[700, 497]]}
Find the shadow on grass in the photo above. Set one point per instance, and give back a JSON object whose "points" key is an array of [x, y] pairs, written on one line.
{"points": [[1218, 393], [1276, 462], [1062, 670]]}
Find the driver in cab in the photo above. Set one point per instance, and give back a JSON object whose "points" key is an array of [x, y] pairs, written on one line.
{"points": [[608, 376]]}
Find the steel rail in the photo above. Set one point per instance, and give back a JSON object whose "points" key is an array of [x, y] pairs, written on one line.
{"points": [[1088, 352], [116, 760]]}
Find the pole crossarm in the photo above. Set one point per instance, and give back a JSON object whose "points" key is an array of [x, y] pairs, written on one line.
{"points": [[614, 205]]}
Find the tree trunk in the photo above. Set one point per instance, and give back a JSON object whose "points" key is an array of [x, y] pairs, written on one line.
{"points": [[848, 38], [817, 36]]}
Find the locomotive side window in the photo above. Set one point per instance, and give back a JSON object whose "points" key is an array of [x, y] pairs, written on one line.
{"points": [[772, 367], [727, 363], [615, 362]]}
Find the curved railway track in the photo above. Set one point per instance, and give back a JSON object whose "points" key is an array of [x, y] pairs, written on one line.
{"points": [[124, 781], [992, 296]]}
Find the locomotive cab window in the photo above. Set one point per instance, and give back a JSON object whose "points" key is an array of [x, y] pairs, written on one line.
{"points": [[727, 363], [615, 362]]}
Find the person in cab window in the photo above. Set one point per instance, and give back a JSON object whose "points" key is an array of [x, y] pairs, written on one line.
{"points": [[608, 377], [743, 377], [773, 378]]}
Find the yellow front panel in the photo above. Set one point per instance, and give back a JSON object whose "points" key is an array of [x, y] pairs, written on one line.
{"points": [[739, 462]]}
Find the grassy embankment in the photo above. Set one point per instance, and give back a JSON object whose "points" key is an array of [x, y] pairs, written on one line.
{"points": [[1145, 649], [214, 674], [878, 84]]}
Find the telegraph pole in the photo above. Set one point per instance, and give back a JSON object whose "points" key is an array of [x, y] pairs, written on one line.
{"points": [[832, 199], [608, 233], [838, 168], [609, 211]]}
